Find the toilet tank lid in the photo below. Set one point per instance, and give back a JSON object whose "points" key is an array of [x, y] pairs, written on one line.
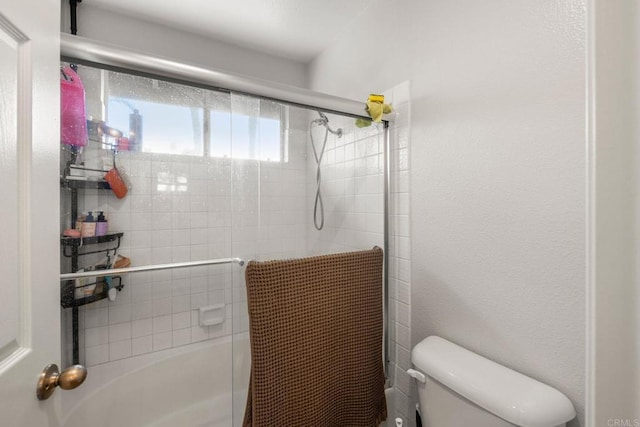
{"points": [[508, 394]]}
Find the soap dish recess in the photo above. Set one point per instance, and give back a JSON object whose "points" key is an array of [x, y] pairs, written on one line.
{"points": [[211, 315]]}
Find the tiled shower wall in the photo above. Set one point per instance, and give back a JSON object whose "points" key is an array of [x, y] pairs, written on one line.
{"points": [[400, 256], [351, 188], [211, 208], [352, 191], [159, 310]]}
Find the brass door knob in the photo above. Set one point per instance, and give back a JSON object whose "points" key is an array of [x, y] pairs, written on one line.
{"points": [[51, 377]]}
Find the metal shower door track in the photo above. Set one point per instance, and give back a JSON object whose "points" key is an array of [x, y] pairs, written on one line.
{"points": [[86, 51]]}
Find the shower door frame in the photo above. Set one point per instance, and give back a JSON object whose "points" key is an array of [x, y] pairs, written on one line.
{"points": [[89, 52]]}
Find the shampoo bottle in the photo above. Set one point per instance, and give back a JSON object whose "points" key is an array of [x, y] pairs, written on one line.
{"points": [[88, 226], [101, 225]]}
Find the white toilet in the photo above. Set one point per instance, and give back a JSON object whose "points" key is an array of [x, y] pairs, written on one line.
{"points": [[459, 388]]}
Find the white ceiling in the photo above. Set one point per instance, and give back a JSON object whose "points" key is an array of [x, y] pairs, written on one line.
{"points": [[294, 29]]}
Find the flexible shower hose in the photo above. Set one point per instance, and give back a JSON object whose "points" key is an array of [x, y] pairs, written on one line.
{"points": [[318, 215]]}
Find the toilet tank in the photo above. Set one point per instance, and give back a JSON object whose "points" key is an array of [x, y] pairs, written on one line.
{"points": [[459, 387]]}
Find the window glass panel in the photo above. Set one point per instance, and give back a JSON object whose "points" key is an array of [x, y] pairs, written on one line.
{"points": [[179, 119], [166, 128], [220, 133], [270, 137]]}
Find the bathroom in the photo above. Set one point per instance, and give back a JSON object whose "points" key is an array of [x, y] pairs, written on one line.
{"points": [[502, 249]]}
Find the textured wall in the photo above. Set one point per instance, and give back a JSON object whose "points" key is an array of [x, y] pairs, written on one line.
{"points": [[497, 170]]}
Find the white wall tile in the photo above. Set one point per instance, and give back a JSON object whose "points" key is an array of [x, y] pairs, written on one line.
{"points": [[403, 292], [142, 327], [199, 284], [181, 288], [220, 330], [139, 257], [162, 340], [161, 290], [161, 203], [96, 317], [403, 313], [403, 358], [403, 336], [119, 332], [119, 314], [96, 355], [140, 238], [160, 221], [198, 300], [120, 350], [161, 306], [142, 345], [96, 336], [180, 237], [162, 323], [180, 304], [180, 220], [403, 381], [181, 321], [199, 333], [161, 255], [142, 310], [182, 337], [141, 292], [180, 253]]}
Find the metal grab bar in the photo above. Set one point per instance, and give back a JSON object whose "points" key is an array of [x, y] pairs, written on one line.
{"points": [[114, 271]]}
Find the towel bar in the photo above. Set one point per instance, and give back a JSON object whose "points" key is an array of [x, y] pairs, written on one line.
{"points": [[113, 271]]}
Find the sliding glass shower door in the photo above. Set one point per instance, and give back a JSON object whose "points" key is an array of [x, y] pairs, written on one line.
{"points": [[210, 176], [157, 336], [274, 199]]}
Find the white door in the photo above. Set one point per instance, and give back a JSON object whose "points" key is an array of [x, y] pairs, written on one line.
{"points": [[29, 207]]}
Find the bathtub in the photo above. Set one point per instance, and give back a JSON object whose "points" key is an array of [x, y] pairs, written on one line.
{"points": [[190, 386]]}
